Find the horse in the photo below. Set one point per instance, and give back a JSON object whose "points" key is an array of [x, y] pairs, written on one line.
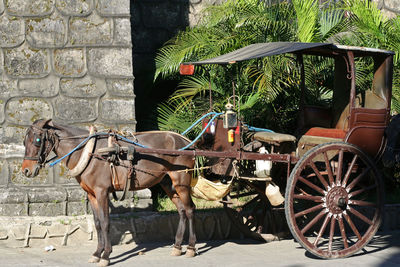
{"points": [[391, 155], [97, 176]]}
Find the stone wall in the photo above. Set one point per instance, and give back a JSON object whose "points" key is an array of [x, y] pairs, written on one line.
{"points": [[390, 8], [66, 60], [73, 61]]}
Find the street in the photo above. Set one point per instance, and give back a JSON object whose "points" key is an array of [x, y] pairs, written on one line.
{"points": [[383, 250]]}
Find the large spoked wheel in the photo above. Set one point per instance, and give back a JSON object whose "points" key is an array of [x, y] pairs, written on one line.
{"points": [[251, 213], [334, 200]]}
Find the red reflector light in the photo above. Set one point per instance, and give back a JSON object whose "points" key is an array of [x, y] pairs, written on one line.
{"points": [[186, 69]]}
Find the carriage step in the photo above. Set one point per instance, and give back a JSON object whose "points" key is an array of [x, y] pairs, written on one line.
{"points": [[265, 179]]}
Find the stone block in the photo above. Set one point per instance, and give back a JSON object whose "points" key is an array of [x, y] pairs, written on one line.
{"points": [[46, 32], [12, 134], [4, 174], [11, 31], [120, 87], [20, 209], [8, 87], [13, 196], [75, 8], [1, 7], [69, 62], [45, 176], [76, 194], [113, 8], [110, 62], [122, 32], [11, 151], [93, 30], [23, 62], [26, 110], [83, 87], [27, 8], [44, 87], [76, 208], [75, 109], [47, 195], [144, 193], [60, 175], [47, 209], [118, 110], [127, 129], [164, 14]]}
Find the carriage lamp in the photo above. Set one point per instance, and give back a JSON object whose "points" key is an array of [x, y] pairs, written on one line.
{"points": [[230, 117]]}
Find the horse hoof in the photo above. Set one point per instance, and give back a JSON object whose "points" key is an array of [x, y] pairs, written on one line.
{"points": [[94, 259], [103, 263], [176, 252], [190, 253]]}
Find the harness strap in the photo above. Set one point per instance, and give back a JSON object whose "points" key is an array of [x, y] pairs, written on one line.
{"points": [[115, 177]]}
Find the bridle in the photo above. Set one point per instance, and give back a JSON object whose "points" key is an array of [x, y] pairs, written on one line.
{"points": [[41, 137]]}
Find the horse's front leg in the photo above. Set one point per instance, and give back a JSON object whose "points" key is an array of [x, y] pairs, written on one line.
{"points": [[104, 218], [100, 240]]}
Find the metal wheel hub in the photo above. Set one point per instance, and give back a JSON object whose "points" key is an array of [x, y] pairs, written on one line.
{"points": [[337, 199]]}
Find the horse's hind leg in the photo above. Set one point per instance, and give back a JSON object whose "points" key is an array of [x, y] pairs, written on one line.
{"points": [[181, 182], [177, 249], [100, 240]]}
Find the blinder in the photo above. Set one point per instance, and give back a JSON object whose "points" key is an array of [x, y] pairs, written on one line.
{"points": [[39, 140]]}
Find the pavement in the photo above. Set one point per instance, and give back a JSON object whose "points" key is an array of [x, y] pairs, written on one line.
{"points": [[383, 250]]}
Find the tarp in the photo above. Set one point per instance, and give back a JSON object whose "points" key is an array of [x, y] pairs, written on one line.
{"points": [[259, 50]]}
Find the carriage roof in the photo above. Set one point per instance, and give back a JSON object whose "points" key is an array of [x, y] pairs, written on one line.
{"points": [[277, 48]]}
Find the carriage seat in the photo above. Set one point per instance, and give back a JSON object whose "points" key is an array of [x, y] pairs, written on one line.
{"points": [[272, 138]]}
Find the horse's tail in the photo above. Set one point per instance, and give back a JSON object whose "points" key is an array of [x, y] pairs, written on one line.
{"points": [[392, 132]]}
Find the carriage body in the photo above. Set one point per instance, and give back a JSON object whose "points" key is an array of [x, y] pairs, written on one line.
{"points": [[327, 172]]}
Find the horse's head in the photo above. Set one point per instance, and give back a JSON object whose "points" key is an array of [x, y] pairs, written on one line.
{"points": [[39, 141]]}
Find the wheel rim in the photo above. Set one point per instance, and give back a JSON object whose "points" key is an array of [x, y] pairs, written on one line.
{"points": [[334, 200]]}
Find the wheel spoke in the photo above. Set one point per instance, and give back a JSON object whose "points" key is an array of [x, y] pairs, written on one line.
{"points": [[346, 177], [329, 169], [356, 180], [339, 168], [331, 233], [304, 212], [313, 186], [359, 215], [362, 203], [322, 230], [308, 197], [352, 226], [312, 222], [343, 232], [355, 193], [316, 171]]}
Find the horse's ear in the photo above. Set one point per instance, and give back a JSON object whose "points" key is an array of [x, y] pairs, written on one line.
{"points": [[42, 123]]}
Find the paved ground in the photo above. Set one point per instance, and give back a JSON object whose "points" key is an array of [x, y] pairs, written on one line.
{"points": [[384, 250]]}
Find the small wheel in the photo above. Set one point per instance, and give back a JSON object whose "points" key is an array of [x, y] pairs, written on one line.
{"points": [[334, 200], [250, 212]]}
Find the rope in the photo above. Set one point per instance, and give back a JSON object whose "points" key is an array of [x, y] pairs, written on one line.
{"points": [[255, 129], [202, 132], [195, 123]]}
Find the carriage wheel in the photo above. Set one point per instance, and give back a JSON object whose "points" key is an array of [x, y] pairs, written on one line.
{"points": [[249, 210], [334, 200]]}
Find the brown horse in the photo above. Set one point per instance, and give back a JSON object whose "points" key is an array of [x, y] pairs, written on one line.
{"points": [[96, 178]]}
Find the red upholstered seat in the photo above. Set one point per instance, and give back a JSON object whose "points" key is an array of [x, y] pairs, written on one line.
{"points": [[326, 132]]}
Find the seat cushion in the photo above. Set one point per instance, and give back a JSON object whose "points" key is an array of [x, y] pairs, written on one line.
{"points": [[274, 137], [326, 132]]}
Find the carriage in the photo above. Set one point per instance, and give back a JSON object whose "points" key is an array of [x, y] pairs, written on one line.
{"points": [[324, 180], [334, 192]]}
